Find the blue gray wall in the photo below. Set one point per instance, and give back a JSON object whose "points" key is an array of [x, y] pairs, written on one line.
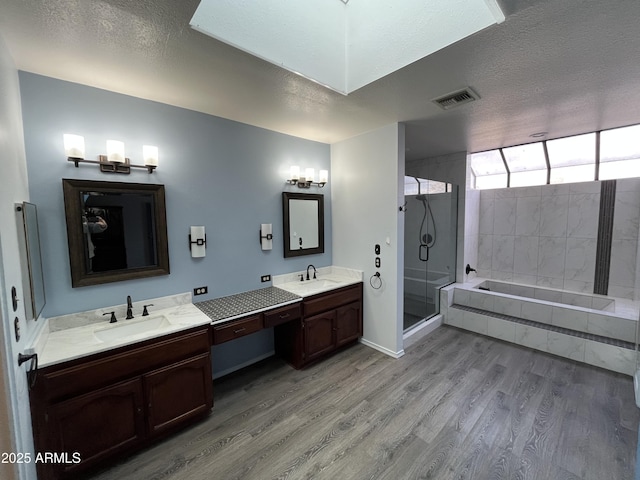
{"points": [[222, 174]]}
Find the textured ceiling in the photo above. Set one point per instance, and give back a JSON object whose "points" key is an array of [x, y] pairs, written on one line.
{"points": [[563, 67]]}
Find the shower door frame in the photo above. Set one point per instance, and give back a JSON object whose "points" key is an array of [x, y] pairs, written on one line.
{"points": [[450, 253]]}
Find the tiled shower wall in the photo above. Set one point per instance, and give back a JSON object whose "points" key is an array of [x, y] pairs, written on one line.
{"points": [[547, 236]]}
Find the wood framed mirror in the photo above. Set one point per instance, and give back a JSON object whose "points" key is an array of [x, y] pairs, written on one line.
{"points": [[116, 231], [303, 221]]}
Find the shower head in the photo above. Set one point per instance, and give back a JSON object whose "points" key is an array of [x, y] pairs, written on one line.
{"points": [[422, 197]]}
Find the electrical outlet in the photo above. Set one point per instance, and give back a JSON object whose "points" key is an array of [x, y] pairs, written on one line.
{"points": [[265, 278], [201, 290]]}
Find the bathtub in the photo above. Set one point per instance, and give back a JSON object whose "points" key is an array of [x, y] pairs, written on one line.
{"points": [[417, 280], [593, 329], [417, 284]]}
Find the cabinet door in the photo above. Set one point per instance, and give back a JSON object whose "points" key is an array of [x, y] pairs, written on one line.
{"points": [[98, 424], [177, 393], [319, 334], [348, 323]]}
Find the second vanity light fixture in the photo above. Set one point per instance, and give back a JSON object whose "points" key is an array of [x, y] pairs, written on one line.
{"points": [[306, 180], [197, 241], [114, 161]]}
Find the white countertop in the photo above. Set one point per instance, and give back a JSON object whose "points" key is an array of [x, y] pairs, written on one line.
{"points": [[85, 333], [71, 343], [327, 278]]}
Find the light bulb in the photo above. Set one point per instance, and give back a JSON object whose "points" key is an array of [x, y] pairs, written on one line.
{"points": [[115, 151], [73, 145], [150, 155]]}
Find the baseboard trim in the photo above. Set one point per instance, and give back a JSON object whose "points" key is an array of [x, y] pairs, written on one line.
{"points": [[244, 364], [382, 349]]}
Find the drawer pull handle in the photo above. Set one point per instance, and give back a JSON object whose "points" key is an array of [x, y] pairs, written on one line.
{"points": [[239, 330], [286, 315]]}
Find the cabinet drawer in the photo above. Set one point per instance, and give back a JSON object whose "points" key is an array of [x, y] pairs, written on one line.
{"points": [[236, 329], [326, 301], [281, 315], [58, 382]]}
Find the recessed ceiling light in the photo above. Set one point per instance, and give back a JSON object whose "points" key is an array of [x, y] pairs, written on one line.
{"points": [[539, 134]]}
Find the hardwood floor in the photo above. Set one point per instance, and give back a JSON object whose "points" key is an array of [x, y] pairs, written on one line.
{"points": [[456, 406]]}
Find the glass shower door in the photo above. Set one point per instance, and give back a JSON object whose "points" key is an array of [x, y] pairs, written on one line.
{"points": [[429, 246]]}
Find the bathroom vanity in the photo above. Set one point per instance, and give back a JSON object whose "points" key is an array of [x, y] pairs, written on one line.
{"points": [[329, 321], [112, 402], [105, 389], [330, 315], [306, 329], [312, 318]]}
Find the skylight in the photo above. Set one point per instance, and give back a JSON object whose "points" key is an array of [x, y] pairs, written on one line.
{"points": [[343, 46], [527, 165], [489, 169], [572, 159], [604, 155], [619, 154]]}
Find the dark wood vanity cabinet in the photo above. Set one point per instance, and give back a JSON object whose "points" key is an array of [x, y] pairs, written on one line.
{"points": [[278, 316], [348, 323], [96, 425], [227, 331], [114, 402], [329, 321], [318, 335], [177, 393]]}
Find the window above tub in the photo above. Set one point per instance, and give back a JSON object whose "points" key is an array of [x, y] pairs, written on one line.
{"points": [[603, 155]]}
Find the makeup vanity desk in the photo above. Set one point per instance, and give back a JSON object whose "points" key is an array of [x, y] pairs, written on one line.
{"points": [[306, 328]]}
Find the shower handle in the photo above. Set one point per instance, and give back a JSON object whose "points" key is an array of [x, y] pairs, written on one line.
{"points": [[420, 249]]}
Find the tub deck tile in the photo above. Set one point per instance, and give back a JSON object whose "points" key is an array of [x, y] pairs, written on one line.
{"points": [[553, 328]]}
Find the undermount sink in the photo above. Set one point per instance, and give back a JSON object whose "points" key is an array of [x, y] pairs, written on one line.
{"points": [[314, 284], [319, 283], [311, 287], [128, 328]]}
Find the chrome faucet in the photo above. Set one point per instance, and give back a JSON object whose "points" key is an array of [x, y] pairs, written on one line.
{"points": [[314, 271], [129, 312]]}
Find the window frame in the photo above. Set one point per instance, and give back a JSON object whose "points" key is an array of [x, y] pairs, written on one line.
{"points": [[549, 167]]}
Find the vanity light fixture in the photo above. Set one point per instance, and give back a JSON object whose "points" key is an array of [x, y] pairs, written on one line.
{"points": [[114, 161], [197, 241], [266, 236], [307, 180]]}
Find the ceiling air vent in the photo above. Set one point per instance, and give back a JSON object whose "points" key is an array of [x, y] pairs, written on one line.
{"points": [[454, 99]]}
